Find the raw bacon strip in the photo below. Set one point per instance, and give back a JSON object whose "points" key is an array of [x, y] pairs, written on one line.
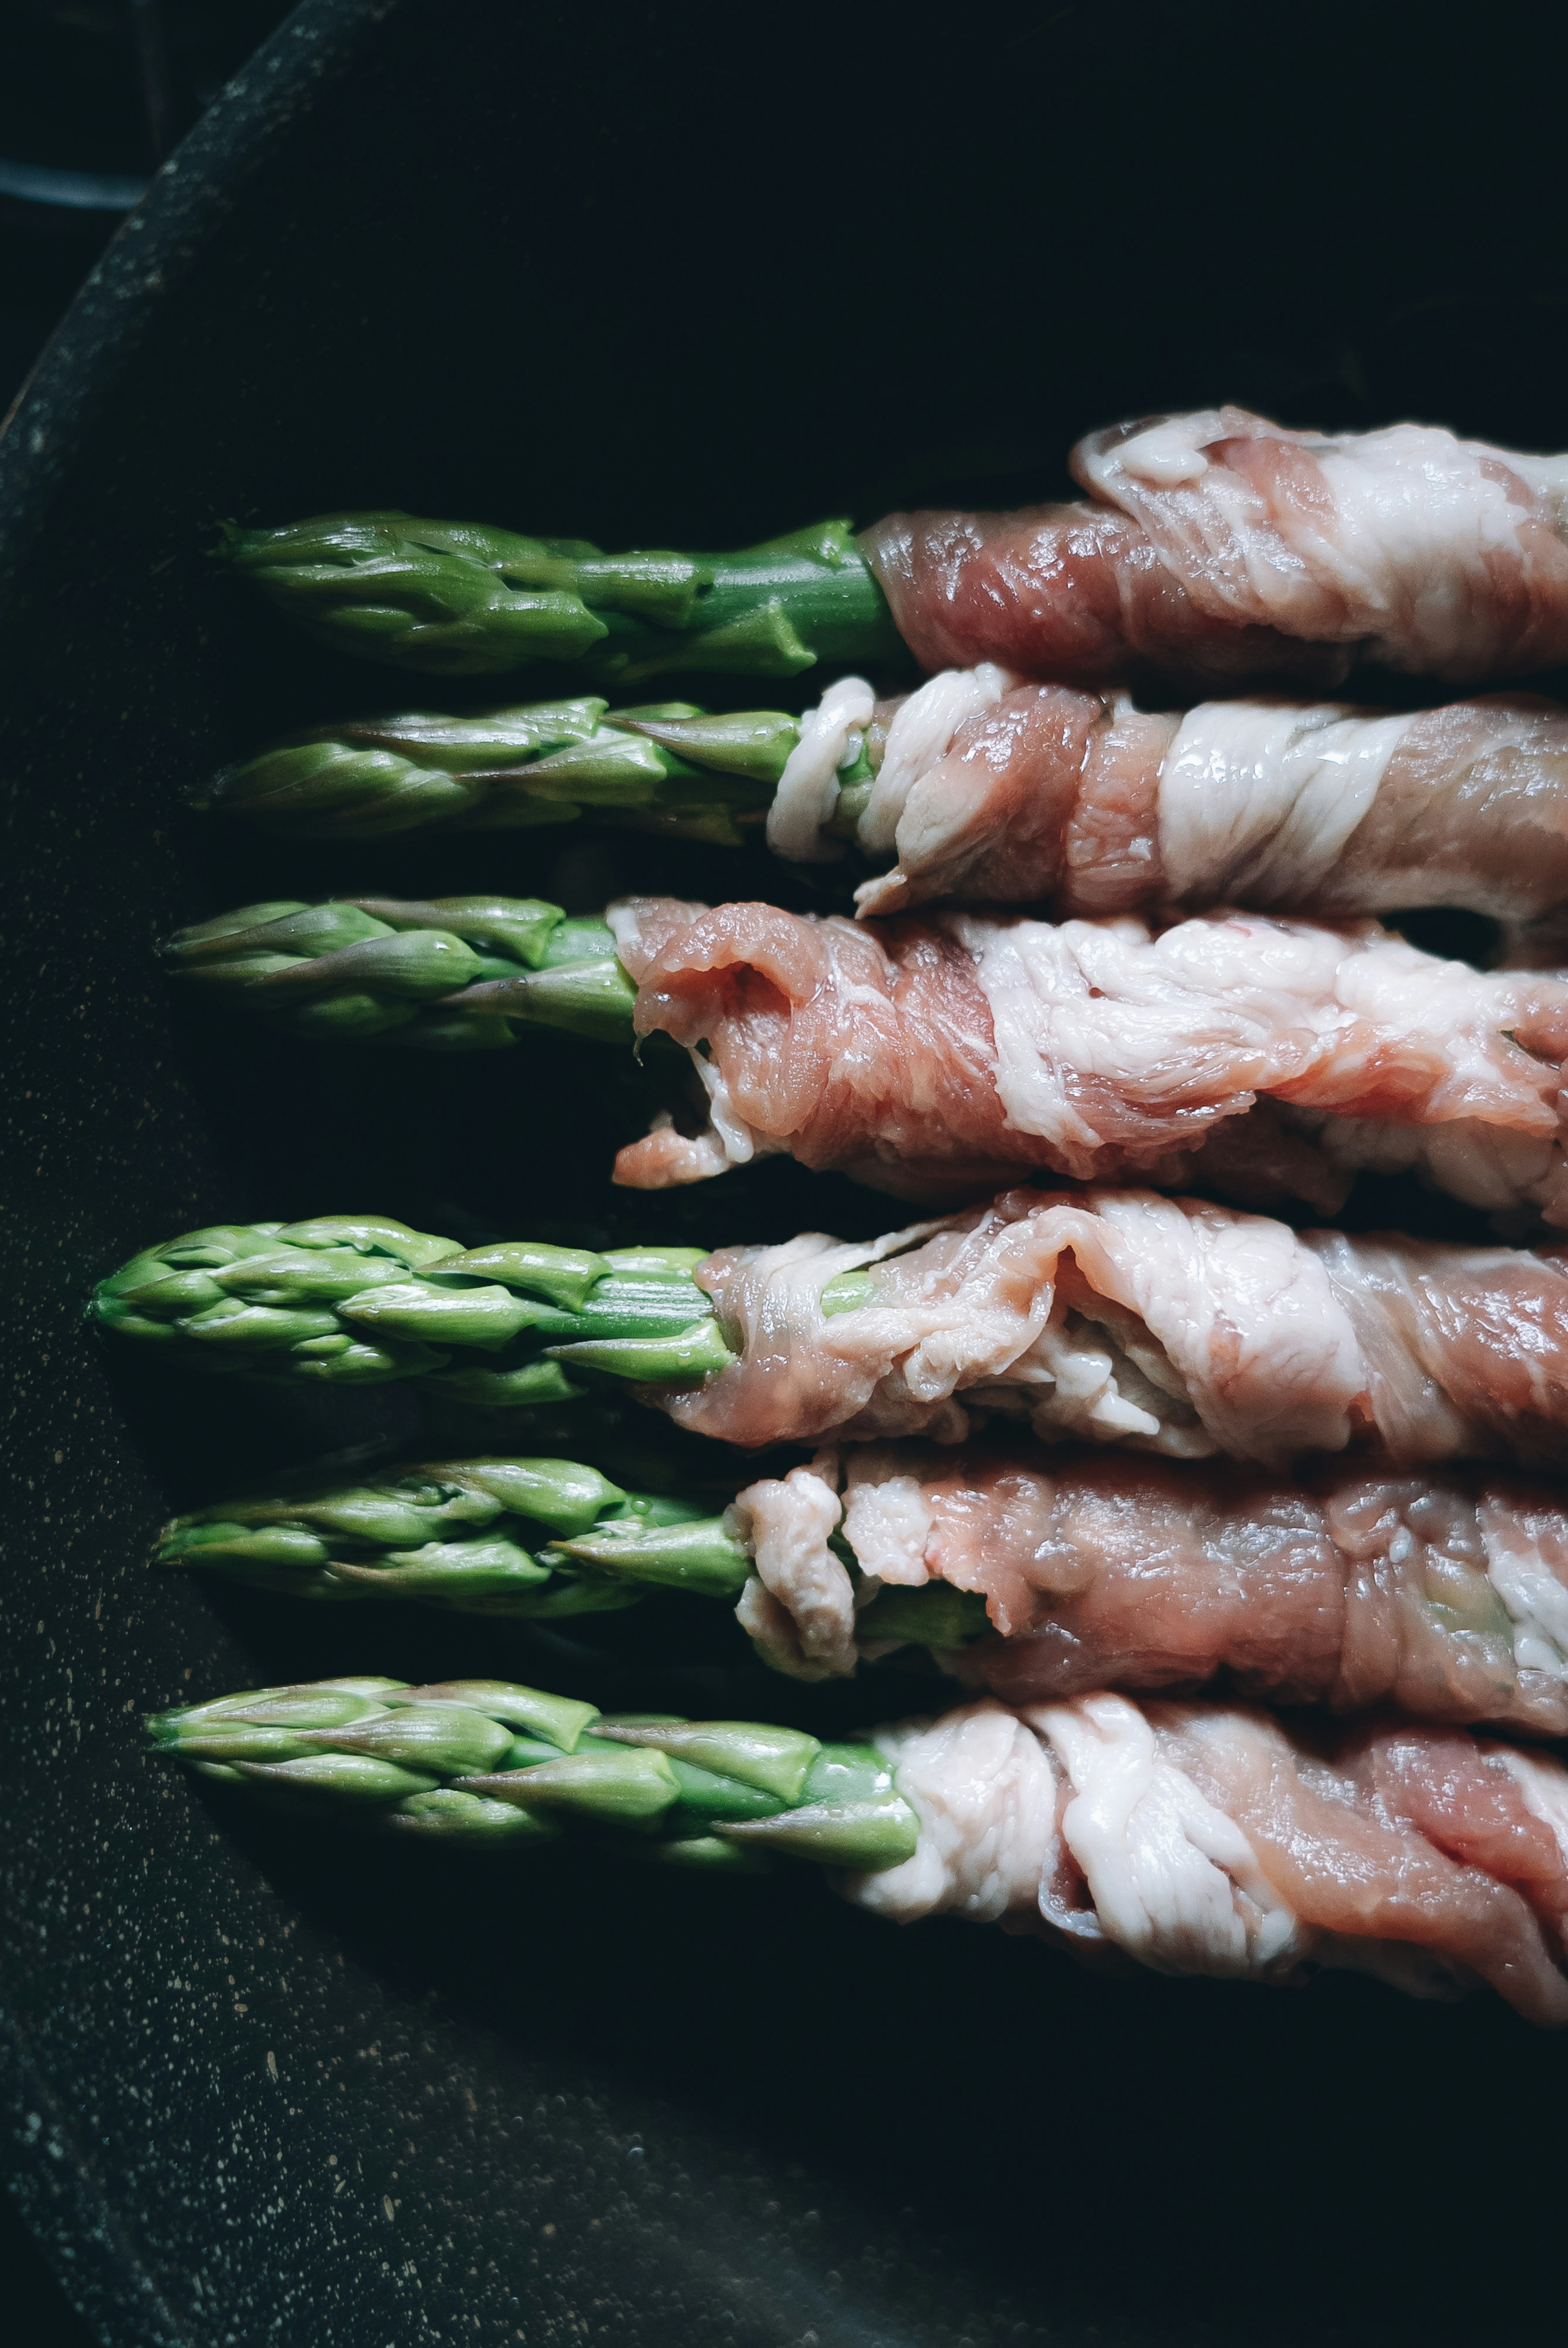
{"points": [[1444, 1598], [928, 1055], [1199, 1839], [1120, 1316], [1079, 803], [1222, 547]]}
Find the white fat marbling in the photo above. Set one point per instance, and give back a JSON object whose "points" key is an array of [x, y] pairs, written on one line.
{"points": [[1175, 1882], [1535, 1601], [1257, 798], [808, 790], [986, 1796], [787, 1521], [922, 732], [887, 1518]]}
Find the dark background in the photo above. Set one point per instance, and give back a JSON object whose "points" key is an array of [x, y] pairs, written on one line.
{"points": [[657, 275], [91, 91]]}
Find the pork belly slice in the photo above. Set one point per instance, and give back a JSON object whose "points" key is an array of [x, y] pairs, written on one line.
{"points": [[1220, 548], [928, 1054], [1120, 1316], [1077, 802], [1441, 1597], [1199, 1839]]}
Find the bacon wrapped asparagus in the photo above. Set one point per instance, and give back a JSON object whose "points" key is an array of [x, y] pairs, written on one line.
{"points": [[1216, 548], [1443, 1597], [1108, 1316], [1219, 545], [984, 789], [1268, 1060], [1192, 1837], [988, 789]]}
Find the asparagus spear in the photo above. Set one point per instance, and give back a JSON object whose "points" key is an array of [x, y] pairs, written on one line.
{"points": [[521, 1537], [461, 599], [348, 1299], [484, 1762], [668, 768], [450, 974]]}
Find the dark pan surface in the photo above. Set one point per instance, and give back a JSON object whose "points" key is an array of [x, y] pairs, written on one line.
{"points": [[661, 276]]}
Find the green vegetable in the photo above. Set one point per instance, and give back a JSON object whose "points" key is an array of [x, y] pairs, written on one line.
{"points": [[359, 1301], [521, 1537], [445, 1762], [668, 768], [458, 599], [451, 974]]}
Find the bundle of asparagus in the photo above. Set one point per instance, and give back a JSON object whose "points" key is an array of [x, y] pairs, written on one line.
{"points": [[356, 968], [936, 1056], [1036, 1577], [1217, 546], [669, 768], [980, 789]]}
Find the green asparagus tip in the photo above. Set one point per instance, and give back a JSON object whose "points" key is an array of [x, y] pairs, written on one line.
{"points": [[464, 599], [364, 1299], [479, 1536], [486, 1763], [448, 973], [668, 766]]}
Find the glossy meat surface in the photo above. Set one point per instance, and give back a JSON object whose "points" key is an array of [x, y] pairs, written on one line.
{"points": [[927, 1055], [1225, 550], [1120, 1316], [1076, 592]]}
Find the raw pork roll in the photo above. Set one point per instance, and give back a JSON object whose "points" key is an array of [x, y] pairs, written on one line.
{"points": [[991, 791], [1222, 547], [1197, 1839], [1118, 1316], [1268, 1060], [1443, 1597]]}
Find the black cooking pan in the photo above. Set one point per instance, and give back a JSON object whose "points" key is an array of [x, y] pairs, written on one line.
{"points": [[657, 275]]}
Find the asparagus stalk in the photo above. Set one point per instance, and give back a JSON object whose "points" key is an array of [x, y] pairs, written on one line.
{"points": [[521, 1537], [668, 768], [346, 1299], [461, 599], [450, 974], [483, 1762]]}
